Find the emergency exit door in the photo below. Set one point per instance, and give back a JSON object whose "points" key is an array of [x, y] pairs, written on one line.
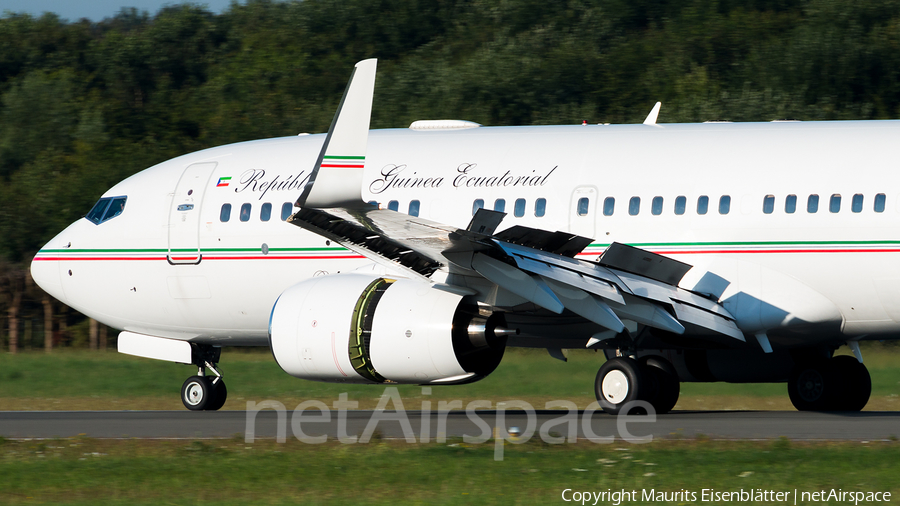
{"points": [[582, 212]]}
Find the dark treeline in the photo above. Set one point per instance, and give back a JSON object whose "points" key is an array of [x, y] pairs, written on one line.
{"points": [[83, 105]]}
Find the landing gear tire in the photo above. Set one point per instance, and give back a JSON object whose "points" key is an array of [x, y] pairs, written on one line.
{"points": [[813, 386], [219, 396], [197, 393], [665, 389], [854, 384], [619, 381]]}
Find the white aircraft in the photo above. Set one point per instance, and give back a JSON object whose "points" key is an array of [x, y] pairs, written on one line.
{"points": [[688, 252]]}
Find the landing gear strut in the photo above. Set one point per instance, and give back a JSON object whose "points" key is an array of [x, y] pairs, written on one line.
{"points": [[202, 392], [838, 384], [652, 379]]}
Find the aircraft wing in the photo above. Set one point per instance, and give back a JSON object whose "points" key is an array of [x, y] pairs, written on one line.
{"points": [[536, 265], [400, 241], [625, 284]]}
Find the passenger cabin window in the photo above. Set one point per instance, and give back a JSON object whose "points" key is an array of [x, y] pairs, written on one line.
{"points": [[393, 205], [680, 205], [245, 212], [478, 204], [634, 206], [413, 208], [609, 206], [834, 205], [265, 212], [702, 204], [724, 204], [656, 206], [583, 205], [790, 204], [519, 208], [769, 204], [856, 204], [879, 203], [225, 213], [500, 205], [540, 207], [106, 209], [286, 211], [812, 204]]}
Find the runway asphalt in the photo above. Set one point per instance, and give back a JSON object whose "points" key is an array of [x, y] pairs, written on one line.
{"points": [[746, 425]]}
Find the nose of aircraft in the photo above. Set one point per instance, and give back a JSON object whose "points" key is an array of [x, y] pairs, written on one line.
{"points": [[45, 268]]}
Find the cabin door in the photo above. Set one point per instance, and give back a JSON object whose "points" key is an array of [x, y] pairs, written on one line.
{"points": [[184, 214]]}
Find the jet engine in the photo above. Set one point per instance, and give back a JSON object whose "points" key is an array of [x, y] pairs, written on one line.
{"points": [[359, 328]]}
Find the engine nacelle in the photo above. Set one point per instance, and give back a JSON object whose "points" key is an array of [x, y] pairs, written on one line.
{"points": [[359, 328]]}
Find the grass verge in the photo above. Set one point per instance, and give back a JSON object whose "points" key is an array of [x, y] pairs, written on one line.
{"points": [[82, 380], [222, 472]]}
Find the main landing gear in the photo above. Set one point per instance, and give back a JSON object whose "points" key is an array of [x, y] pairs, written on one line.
{"points": [[202, 392], [841, 383], [622, 380]]}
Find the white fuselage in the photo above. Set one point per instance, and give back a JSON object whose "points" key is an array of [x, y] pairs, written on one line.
{"points": [[138, 271]]}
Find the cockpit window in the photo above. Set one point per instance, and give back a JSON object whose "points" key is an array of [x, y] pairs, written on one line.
{"points": [[106, 209]]}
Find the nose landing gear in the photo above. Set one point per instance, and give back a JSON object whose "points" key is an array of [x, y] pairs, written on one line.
{"points": [[202, 392]]}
